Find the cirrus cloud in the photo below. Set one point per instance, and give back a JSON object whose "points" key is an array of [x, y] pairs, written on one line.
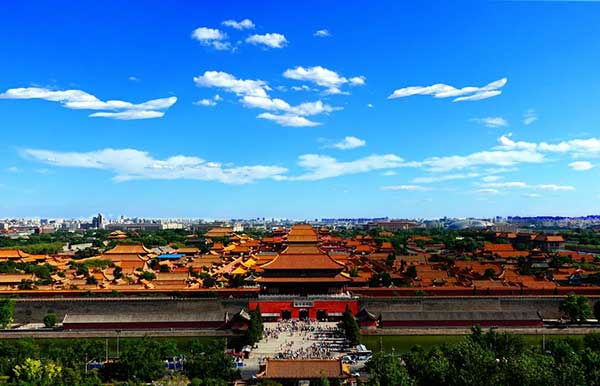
{"points": [[81, 100], [581, 165], [132, 164], [441, 90]]}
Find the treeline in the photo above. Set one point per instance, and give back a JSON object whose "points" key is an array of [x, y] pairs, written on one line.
{"points": [[69, 362], [492, 358]]}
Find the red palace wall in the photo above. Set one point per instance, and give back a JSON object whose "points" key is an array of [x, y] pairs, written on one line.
{"points": [[330, 306]]}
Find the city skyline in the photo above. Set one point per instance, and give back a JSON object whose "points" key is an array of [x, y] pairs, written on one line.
{"points": [[394, 110]]}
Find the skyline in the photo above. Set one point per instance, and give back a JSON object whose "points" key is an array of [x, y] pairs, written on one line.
{"points": [[234, 112]]}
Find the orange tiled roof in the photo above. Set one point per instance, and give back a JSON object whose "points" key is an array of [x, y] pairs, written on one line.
{"points": [[304, 369], [128, 249], [303, 257], [12, 254]]}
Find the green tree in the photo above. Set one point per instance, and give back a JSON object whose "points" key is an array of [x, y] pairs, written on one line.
{"points": [[428, 367], [591, 363], [350, 327], [577, 308], [210, 364], [528, 369], [50, 320], [411, 271], [7, 311], [471, 364], [597, 310], [139, 361], [592, 341], [387, 370], [36, 372], [255, 330]]}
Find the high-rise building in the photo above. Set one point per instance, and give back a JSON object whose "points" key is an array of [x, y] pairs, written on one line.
{"points": [[98, 221]]}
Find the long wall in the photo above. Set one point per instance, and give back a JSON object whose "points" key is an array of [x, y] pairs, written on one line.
{"points": [[547, 306], [33, 310]]}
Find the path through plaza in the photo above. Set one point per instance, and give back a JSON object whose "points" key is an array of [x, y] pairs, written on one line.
{"points": [[296, 339]]}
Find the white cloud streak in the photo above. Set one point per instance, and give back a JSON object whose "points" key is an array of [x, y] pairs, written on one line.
{"points": [[491, 122], [322, 33], [81, 100], [288, 120], [529, 117], [132, 164], [581, 165], [574, 147], [349, 142], [408, 188], [321, 166], [441, 90], [524, 185], [321, 76], [240, 25]]}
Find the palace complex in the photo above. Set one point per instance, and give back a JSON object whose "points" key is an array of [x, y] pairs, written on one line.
{"points": [[306, 261]]}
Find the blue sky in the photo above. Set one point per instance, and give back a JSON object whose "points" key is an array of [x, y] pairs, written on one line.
{"points": [[421, 110]]}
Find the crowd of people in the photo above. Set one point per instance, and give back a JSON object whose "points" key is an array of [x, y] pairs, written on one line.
{"points": [[325, 340]]}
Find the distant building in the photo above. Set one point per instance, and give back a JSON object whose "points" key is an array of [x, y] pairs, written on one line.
{"points": [[98, 221]]}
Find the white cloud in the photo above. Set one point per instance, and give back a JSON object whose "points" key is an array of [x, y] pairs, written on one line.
{"points": [[441, 90], [322, 33], [488, 191], [491, 121], [349, 142], [254, 94], [529, 117], [369, 105], [302, 88], [129, 115], [273, 40], [132, 164], [209, 102], [554, 187], [410, 188], [574, 147], [524, 185], [81, 100], [244, 24], [581, 165], [288, 120], [133, 79], [444, 177], [482, 158], [212, 37], [13, 169], [323, 77], [206, 102], [357, 80], [230, 83], [531, 195], [512, 184], [491, 178], [321, 166]]}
